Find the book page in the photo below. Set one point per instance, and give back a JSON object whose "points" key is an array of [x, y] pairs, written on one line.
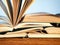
{"points": [[23, 1], [30, 30], [13, 35], [32, 25], [42, 18], [33, 33], [25, 6], [4, 29], [5, 25], [38, 35], [5, 19], [10, 11], [16, 9], [53, 30], [2, 5]]}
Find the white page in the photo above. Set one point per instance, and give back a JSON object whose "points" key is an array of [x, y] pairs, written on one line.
{"points": [[13, 35], [5, 19], [4, 25], [3, 29], [53, 30], [26, 30], [38, 35], [32, 25], [9, 8], [25, 6], [3, 7]]}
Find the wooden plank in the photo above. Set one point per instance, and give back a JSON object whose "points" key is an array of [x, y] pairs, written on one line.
{"points": [[29, 41]]}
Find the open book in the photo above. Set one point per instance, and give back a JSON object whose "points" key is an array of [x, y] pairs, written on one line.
{"points": [[18, 24], [15, 13]]}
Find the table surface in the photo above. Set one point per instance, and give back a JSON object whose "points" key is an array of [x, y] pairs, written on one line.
{"points": [[29, 41]]}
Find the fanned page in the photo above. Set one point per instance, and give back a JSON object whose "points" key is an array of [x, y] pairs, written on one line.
{"points": [[5, 24], [25, 6], [6, 12], [10, 10], [4, 7], [16, 9], [5, 19]]}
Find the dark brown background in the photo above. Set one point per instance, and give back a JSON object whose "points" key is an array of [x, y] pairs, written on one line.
{"points": [[29, 41]]}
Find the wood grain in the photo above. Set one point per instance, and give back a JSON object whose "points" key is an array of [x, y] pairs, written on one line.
{"points": [[29, 41]]}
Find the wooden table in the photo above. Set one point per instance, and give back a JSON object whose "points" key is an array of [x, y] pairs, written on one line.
{"points": [[29, 41]]}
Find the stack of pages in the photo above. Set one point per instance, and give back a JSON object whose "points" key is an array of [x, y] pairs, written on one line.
{"points": [[18, 24]]}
